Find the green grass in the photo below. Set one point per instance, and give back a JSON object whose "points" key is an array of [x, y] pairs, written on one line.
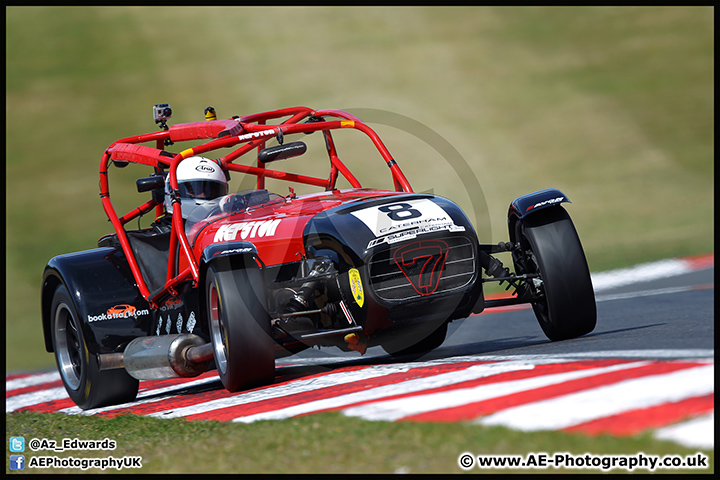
{"points": [[321, 443]]}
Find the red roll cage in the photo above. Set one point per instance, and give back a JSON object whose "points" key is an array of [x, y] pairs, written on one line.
{"points": [[251, 131]]}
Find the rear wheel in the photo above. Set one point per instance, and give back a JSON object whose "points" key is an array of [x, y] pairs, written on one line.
{"points": [[87, 386], [564, 300], [239, 324]]}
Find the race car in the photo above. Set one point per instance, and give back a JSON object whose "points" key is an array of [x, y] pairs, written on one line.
{"points": [[233, 281]]}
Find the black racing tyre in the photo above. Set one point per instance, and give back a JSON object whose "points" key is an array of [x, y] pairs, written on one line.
{"points": [[427, 342], [565, 299], [239, 324], [87, 386]]}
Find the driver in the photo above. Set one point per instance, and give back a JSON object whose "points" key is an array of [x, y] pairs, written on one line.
{"points": [[199, 181]]}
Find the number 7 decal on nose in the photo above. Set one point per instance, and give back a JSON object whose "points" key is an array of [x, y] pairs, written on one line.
{"points": [[422, 264]]}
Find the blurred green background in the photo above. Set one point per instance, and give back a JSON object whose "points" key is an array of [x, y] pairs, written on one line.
{"points": [[612, 105]]}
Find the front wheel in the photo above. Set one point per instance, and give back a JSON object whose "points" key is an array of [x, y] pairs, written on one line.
{"points": [[239, 324], [86, 384], [563, 295]]}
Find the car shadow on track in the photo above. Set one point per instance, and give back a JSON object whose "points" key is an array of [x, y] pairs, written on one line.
{"points": [[313, 366]]}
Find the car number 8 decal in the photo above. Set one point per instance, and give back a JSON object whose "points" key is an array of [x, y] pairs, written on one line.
{"points": [[400, 211], [394, 217]]}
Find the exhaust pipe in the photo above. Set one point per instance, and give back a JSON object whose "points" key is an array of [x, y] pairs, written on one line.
{"points": [[161, 357]]}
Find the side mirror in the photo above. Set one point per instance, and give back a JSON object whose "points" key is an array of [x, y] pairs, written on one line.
{"points": [[150, 183], [280, 152]]}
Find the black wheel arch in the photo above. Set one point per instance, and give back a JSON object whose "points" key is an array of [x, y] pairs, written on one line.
{"points": [[531, 204], [95, 279], [51, 281]]}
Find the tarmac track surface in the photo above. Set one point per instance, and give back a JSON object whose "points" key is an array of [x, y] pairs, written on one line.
{"points": [[648, 366]]}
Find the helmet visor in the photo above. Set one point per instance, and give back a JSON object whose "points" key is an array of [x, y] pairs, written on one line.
{"points": [[202, 189]]}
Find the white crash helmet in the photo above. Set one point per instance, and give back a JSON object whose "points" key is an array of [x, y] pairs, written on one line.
{"points": [[199, 180]]}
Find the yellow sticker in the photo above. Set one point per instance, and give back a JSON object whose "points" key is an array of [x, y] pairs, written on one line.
{"points": [[347, 124], [356, 286]]}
